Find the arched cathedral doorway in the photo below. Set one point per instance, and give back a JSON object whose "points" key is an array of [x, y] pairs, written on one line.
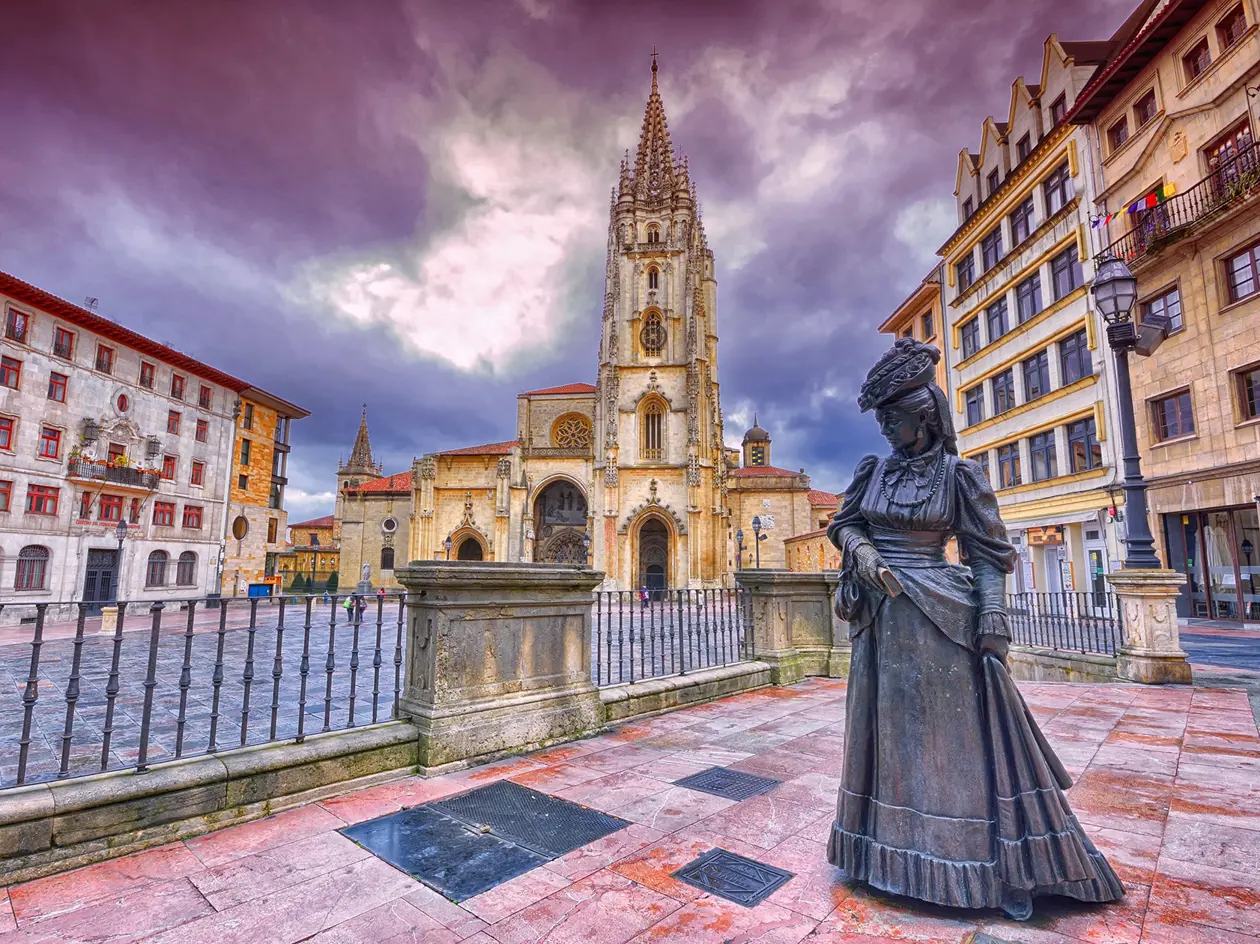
{"points": [[560, 524], [654, 556], [469, 549]]}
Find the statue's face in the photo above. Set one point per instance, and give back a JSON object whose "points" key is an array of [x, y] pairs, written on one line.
{"points": [[902, 428]]}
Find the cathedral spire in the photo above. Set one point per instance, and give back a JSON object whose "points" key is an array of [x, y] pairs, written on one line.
{"points": [[654, 164], [361, 454]]}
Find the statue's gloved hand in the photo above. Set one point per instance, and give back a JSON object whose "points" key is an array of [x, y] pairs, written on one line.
{"points": [[866, 564], [990, 642]]}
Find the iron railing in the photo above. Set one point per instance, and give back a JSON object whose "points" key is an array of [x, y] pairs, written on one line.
{"points": [[671, 632], [119, 475], [1154, 227], [190, 680], [1072, 621]]}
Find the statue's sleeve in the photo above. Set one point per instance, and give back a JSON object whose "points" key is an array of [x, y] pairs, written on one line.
{"points": [[982, 537], [848, 527]]}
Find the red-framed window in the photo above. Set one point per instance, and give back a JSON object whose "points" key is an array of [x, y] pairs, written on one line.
{"points": [[32, 568], [205, 398], [6, 495], [85, 506], [133, 515], [147, 373], [109, 508], [63, 343], [192, 516], [17, 325], [49, 442], [41, 499], [172, 422], [168, 467], [198, 473], [6, 432], [10, 372], [57, 386], [177, 386], [104, 359], [1242, 272], [164, 514], [203, 431]]}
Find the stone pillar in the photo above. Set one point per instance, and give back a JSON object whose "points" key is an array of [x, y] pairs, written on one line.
{"points": [[498, 657], [795, 628], [109, 621], [1150, 652]]}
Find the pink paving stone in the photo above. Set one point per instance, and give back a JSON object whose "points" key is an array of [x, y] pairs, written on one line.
{"points": [[129, 916], [388, 798], [497, 903], [1131, 757], [782, 765], [653, 866], [445, 912], [1132, 855], [673, 809], [621, 758], [273, 870], [796, 726], [813, 789], [605, 908], [567, 752], [751, 741], [1117, 922], [764, 821], [712, 757], [7, 921], [489, 773], [614, 790], [710, 920], [821, 744], [300, 911], [816, 888], [103, 880], [862, 916], [248, 838], [680, 740], [670, 769], [1192, 893], [393, 922], [1121, 799], [627, 733], [551, 779], [1190, 838], [604, 852], [1154, 933]]}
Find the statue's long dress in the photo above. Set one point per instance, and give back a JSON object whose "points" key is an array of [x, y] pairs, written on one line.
{"points": [[949, 792]]}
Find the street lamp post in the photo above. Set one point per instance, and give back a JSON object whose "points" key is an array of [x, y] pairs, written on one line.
{"points": [[120, 532], [586, 546], [739, 549], [447, 544], [758, 537], [1115, 291], [1247, 547], [314, 558]]}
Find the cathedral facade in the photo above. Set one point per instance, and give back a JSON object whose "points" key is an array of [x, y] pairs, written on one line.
{"points": [[630, 473]]}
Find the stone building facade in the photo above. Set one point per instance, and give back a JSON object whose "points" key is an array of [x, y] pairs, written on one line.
{"points": [[921, 317], [1180, 203], [104, 432], [313, 555], [630, 472], [1033, 392]]}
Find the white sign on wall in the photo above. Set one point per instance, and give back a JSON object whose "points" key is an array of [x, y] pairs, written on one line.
{"points": [[767, 522]]}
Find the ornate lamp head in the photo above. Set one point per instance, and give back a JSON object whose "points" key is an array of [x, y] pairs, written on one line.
{"points": [[1115, 291]]}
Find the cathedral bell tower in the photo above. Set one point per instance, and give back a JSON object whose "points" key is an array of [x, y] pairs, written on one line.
{"points": [[658, 430]]}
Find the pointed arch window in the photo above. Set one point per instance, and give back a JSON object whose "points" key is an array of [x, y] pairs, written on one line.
{"points": [[654, 278], [653, 233], [652, 430], [653, 334]]}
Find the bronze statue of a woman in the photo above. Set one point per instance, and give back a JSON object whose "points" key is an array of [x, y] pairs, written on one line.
{"points": [[950, 792]]}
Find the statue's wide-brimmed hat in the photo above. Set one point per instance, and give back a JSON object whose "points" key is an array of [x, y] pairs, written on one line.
{"points": [[908, 364]]}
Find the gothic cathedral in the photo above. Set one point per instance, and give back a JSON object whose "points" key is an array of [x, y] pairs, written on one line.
{"points": [[631, 473]]}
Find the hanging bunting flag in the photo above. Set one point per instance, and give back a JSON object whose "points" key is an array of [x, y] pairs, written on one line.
{"points": [[1170, 189], [1152, 200]]}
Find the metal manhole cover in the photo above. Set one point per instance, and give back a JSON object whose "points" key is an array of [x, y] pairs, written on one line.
{"points": [[730, 876], [442, 852], [545, 824], [731, 784]]}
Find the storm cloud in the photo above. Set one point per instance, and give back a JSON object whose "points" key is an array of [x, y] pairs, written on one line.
{"points": [[405, 204]]}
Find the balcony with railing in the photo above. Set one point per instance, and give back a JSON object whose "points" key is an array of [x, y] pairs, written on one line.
{"points": [[94, 471], [1230, 182]]}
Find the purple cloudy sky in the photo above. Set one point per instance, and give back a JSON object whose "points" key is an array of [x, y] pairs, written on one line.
{"points": [[405, 203]]}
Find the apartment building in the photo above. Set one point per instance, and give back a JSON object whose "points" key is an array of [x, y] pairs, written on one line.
{"points": [[1028, 379], [920, 316], [1173, 135], [115, 453]]}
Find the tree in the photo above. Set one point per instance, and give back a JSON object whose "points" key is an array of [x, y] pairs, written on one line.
{"points": [[299, 584], [330, 585]]}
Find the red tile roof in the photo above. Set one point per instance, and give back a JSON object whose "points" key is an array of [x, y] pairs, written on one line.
{"points": [[399, 482], [817, 532], [324, 522], [564, 388], [750, 470], [818, 497], [489, 449]]}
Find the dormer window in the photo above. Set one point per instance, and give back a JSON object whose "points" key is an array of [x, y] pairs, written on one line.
{"points": [[653, 233], [1058, 110], [995, 180], [1024, 147], [654, 277], [969, 208]]}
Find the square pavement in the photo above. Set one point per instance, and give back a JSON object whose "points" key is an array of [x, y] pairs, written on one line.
{"points": [[1167, 783]]}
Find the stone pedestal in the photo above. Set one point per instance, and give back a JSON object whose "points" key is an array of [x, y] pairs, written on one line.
{"points": [[109, 621], [498, 657], [1151, 649], [795, 629]]}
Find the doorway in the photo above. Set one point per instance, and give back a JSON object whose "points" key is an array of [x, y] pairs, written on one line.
{"points": [[654, 557], [1216, 550], [100, 583]]}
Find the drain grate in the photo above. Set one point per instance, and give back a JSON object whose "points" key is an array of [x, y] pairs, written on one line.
{"points": [[544, 824], [733, 877], [442, 852], [731, 784]]}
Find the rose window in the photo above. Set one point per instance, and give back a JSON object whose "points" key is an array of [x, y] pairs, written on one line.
{"points": [[572, 433], [653, 335]]}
